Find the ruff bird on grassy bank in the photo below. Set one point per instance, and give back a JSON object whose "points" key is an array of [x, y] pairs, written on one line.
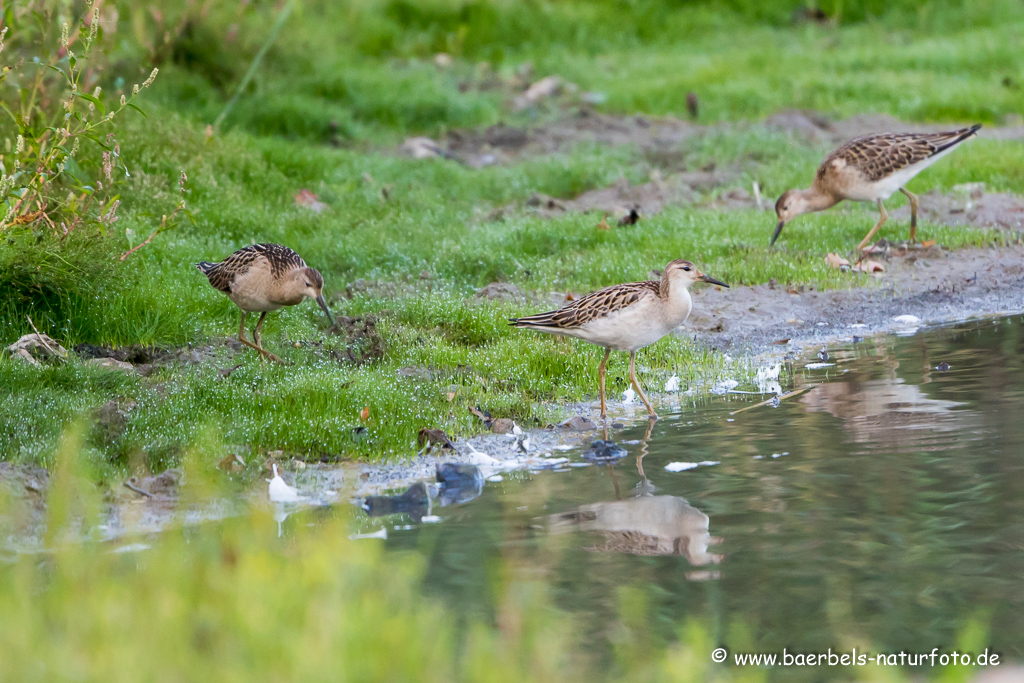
{"points": [[263, 278], [625, 317], [871, 169]]}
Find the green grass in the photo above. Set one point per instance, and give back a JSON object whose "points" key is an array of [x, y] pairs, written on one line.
{"points": [[342, 86], [361, 75]]}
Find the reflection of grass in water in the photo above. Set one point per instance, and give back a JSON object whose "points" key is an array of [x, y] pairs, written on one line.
{"points": [[231, 601]]}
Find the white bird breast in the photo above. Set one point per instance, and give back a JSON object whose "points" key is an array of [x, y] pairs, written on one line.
{"points": [[637, 326]]}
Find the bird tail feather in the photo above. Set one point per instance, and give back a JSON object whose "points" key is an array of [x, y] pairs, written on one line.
{"points": [[957, 137], [534, 321]]}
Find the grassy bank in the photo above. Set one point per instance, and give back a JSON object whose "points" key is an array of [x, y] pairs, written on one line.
{"points": [[341, 86]]}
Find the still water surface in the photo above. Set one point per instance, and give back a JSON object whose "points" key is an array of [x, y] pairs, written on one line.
{"points": [[885, 506]]}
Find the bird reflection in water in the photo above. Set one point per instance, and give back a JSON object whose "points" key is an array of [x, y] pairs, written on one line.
{"points": [[644, 523]]}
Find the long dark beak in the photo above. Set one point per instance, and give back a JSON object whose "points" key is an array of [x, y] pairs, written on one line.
{"points": [[712, 281], [323, 305], [778, 231]]}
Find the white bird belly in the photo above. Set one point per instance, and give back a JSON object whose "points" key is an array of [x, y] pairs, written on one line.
{"points": [[628, 330]]}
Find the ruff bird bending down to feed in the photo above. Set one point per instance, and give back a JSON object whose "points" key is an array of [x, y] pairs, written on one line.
{"points": [[625, 317], [263, 278], [871, 169]]}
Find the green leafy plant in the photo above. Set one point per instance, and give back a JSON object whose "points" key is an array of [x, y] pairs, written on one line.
{"points": [[55, 106]]}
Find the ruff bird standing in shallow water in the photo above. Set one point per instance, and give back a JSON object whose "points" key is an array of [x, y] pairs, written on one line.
{"points": [[263, 278], [871, 169], [625, 317]]}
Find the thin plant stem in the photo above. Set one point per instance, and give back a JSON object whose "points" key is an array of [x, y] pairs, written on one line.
{"points": [[278, 25]]}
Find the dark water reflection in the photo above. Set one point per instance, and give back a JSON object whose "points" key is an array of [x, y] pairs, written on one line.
{"points": [[895, 515]]}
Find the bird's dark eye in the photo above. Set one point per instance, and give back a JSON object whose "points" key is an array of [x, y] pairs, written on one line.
{"points": [[686, 268], [308, 285]]}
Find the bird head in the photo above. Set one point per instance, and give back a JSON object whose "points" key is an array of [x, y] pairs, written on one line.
{"points": [[791, 204], [309, 282], [684, 272]]}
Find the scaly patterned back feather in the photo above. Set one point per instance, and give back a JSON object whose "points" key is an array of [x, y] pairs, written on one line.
{"points": [[280, 258], [879, 156], [595, 305]]}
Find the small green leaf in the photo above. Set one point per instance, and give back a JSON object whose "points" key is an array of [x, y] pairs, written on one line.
{"points": [[90, 98], [137, 109], [57, 69]]}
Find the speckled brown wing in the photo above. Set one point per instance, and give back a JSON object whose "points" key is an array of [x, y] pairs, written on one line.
{"points": [[281, 259], [590, 307], [879, 156]]}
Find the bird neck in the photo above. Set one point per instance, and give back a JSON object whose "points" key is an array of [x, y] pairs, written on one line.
{"points": [[819, 197], [675, 293]]}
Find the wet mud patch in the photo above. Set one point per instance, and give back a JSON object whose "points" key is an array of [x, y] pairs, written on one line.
{"points": [[933, 285], [503, 144], [361, 341]]}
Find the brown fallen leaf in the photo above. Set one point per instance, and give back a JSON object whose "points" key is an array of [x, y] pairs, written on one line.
{"points": [[364, 414], [545, 87], [870, 267], [451, 396], [482, 414], [603, 225], [927, 243], [836, 261], [308, 200]]}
